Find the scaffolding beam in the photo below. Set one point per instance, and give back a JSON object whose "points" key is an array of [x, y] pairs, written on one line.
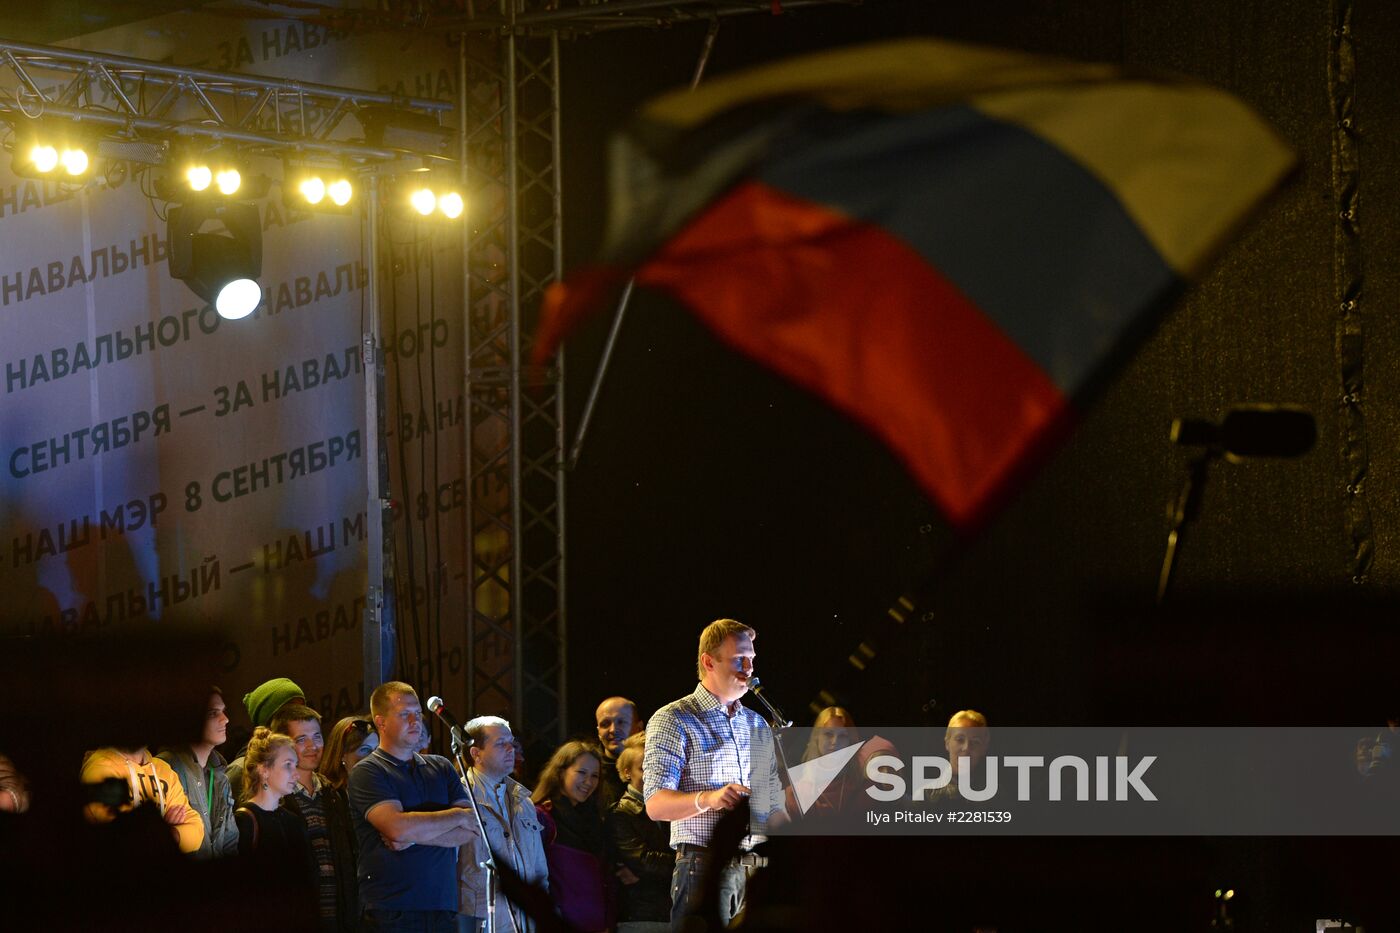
{"points": [[136, 99], [515, 586]]}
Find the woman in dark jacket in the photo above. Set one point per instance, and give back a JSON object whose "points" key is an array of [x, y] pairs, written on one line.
{"points": [[575, 838], [265, 830]]}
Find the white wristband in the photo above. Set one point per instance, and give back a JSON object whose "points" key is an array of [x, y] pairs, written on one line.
{"points": [[698, 808]]}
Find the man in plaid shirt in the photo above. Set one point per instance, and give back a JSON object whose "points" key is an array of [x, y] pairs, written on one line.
{"points": [[705, 753]]}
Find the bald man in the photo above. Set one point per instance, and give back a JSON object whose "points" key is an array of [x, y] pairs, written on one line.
{"points": [[617, 721]]}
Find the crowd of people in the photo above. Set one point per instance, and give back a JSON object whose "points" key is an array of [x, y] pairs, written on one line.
{"points": [[386, 836], [615, 835]]}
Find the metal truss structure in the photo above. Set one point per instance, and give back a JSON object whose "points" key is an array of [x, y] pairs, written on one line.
{"points": [[592, 16], [510, 96], [516, 627], [534, 17], [134, 98]]}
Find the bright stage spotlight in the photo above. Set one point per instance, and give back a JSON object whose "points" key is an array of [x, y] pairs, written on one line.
{"points": [[423, 201], [435, 198], [451, 205], [220, 266], [198, 174], [320, 188], [43, 158], [54, 152], [313, 189], [75, 161], [199, 177], [228, 181], [341, 191]]}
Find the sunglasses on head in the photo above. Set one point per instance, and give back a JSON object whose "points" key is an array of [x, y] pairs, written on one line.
{"points": [[363, 725]]}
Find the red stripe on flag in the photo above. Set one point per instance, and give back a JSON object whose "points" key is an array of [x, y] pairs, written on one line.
{"points": [[568, 304], [856, 316]]}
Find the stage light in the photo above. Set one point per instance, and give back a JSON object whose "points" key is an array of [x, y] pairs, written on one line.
{"points": [[322, 188], [44, 158], [341, 191], [54, 152], [313, 190], [407, 130], [199, 177], [238, 299], [228, 181], [451, 205], [75, 161], [423, 201], [215, 173], [221, 267]]}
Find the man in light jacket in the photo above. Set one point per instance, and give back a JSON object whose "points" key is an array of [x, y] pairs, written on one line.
{"points": [[204, 777], [512, 829]]}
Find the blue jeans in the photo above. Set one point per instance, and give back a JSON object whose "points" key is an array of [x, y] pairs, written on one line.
{"points": [[686, 893]]}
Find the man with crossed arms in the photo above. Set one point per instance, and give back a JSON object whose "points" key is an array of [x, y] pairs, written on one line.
{"points": [[705, 753], [411, 813]]}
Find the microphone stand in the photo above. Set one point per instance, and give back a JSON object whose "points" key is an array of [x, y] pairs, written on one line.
{"points": [[1183, 511], [459, 747], [780, 724]]}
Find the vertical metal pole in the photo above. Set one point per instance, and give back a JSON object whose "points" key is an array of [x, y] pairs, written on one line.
{"points": [[517, 583], [560, 438], [467, 453], [373, 639]]}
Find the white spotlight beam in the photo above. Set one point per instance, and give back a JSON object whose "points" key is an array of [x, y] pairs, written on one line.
{"points": [[271, 113]]}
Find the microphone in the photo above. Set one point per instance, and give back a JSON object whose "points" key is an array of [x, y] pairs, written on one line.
{"points": [[439, 709], [1251, 431], [756, 688]]}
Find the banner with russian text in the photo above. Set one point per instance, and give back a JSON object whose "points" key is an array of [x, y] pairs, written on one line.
{"points": [[160, 465]]}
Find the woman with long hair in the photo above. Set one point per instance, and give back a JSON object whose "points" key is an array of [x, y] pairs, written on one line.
{"points": [[352, 739], [265, 829], [833, 730], [575, 838]]}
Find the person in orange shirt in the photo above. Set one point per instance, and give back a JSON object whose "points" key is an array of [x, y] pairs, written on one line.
{"points": [[148, 781]]}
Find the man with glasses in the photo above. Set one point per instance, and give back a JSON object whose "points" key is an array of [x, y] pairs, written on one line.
{"points": [[514, 834], [410, 814]]}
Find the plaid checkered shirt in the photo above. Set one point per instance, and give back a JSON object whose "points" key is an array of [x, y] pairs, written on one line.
{"points": [[694, 744]]}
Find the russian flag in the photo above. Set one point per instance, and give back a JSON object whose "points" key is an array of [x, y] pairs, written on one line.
{"points": [[952, 244]]}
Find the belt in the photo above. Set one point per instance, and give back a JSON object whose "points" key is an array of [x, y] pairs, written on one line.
{"points": [[748, 859]]}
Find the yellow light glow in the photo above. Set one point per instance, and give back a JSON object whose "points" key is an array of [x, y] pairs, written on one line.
{"points": [[451, 205], [75, 161], [1229, 894], [44, 158], [423, 201], [199, 177], [228, 180], [313, 189], [340, 191]]}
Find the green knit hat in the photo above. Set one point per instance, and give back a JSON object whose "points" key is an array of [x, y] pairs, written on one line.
{"points": [[266, 699]]}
